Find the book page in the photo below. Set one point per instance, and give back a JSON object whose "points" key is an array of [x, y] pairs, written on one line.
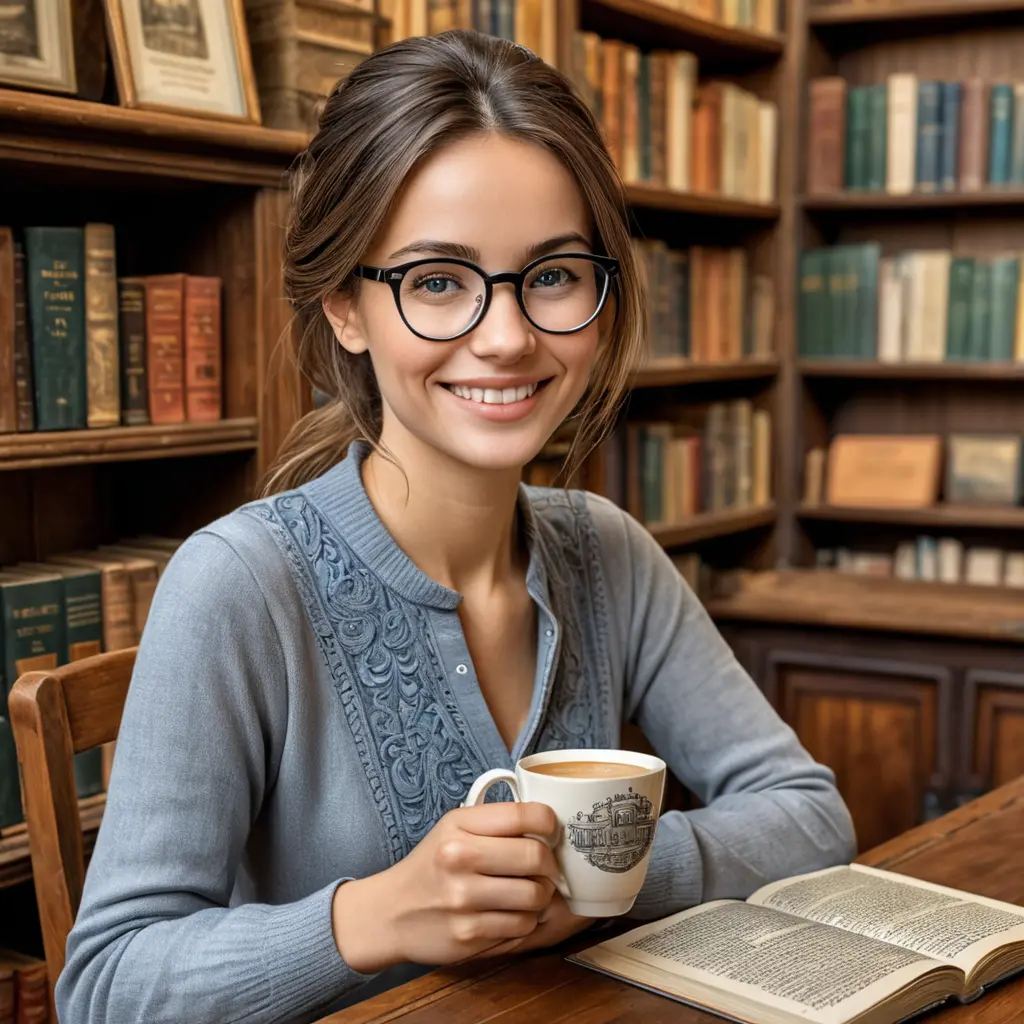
{"points": [[814, 972], [957, 928]]}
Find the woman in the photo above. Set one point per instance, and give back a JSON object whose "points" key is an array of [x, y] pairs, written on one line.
{"points": [[325, 671]]}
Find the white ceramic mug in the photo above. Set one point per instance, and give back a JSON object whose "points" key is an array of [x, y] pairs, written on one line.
{"points": [[606, 825]]}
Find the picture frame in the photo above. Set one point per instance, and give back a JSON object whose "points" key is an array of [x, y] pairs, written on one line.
{"points": [[183, 56], [37, 45]]}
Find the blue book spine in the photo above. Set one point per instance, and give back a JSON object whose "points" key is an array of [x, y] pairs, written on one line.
{"points": [[928, 120], [949, 135], [1000, 134]]}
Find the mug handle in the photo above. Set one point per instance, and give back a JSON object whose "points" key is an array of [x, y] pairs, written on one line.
{"points": [[479, 789]]}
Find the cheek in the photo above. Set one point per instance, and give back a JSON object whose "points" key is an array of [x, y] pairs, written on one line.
{"points": [[400, 360]]}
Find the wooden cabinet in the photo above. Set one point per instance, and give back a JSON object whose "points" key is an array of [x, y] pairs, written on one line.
{"points": [[912, 727]]}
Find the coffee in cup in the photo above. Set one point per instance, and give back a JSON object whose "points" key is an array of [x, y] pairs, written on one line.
{"points": [[607, 804]]}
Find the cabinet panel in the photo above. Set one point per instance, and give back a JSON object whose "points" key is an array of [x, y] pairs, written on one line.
{"points": [[993, 742], [881, 726]]}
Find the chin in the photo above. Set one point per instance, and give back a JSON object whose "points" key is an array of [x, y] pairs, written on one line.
{"points": [[491, 454]]}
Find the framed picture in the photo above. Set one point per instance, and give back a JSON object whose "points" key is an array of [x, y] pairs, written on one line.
{"points": [[36, 45], [185, 56]]}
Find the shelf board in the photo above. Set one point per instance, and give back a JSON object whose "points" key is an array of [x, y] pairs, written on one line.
{"points": [[708, 525], [842, 600], [650, 23], [915, 201], [669, 372], [907, 10], [126, 444], [869, 370], [61, 130], [938, 516], [15, 858], [703, 204]]}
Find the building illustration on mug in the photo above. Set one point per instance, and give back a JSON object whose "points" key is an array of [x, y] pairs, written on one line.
{"points": [[617, 833]]}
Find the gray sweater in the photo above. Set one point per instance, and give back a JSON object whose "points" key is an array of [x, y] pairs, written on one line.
{"points": [[304, 709]]}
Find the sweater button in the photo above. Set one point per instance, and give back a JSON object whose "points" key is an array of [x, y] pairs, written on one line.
{"points": [[461, 669]]}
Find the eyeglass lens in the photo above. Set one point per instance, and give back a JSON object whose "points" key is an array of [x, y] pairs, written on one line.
{"points": [[441, 300]]}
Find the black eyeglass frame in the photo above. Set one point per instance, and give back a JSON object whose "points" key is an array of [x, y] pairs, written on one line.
{"points": [[393, 276]]}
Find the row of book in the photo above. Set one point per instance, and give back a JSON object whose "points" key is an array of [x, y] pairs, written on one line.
{"points": [[704, 304], [907, 135], [924, 306], [83, 347], [931, 559], [531, 23], [24, 989], [68, 607], [664, 472], [665, 129], [917, 470]]}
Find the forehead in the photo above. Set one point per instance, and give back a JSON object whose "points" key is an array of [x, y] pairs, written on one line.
{"points": [[492, 193]]}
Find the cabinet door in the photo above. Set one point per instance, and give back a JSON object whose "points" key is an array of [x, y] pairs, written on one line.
{"points": [[881, 726], [993, 739]]}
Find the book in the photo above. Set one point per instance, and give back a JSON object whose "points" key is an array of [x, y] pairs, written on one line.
{"points": [[844, 945]]}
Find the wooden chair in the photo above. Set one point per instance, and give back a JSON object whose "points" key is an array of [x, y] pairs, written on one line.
{"points": [[56, 715]]}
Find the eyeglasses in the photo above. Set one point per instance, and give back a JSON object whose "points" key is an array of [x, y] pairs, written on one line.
{"points": [[441, 300]]}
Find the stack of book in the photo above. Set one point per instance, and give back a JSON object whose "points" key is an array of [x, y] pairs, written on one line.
{"points": [[916, 307], [24, 989], [68, 607], [704, 305], [83, 347], [907, 134], [665, 130]]}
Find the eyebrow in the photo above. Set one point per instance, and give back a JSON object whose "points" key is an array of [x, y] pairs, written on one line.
{"points": [[456, 250]]}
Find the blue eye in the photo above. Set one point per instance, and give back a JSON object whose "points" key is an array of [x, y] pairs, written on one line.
{"points": [[434, 284]]}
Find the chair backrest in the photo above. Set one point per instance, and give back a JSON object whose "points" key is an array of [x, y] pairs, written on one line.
{"points": [[56, 715]]}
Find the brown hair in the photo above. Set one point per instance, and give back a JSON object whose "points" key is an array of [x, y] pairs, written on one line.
{"points": [[399, 105]]}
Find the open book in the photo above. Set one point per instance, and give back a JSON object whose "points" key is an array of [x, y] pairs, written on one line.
{"points": [[847, 945]]}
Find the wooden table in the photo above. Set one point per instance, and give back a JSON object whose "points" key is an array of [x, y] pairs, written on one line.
{"points": [[979, 848]]}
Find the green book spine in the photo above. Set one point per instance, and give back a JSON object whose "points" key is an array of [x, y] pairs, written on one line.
{"points": [[813, 329], [878, 102], [56, 303], [33, 622], [83, 615], [1000, 133], [652, 482], [842, 293], [867, 301], [958, 320], [977, 339], [643, 89], [857, 137], [1003, 310]]}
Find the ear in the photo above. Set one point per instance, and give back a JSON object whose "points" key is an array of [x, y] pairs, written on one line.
{"points": [[343, 316]]}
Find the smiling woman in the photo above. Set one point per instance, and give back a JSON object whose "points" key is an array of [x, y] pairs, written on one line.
{"points": [[325, 671]]}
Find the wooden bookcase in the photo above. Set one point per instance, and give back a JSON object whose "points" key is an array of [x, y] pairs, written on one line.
{"points": [[184, 194], [911, 691]]}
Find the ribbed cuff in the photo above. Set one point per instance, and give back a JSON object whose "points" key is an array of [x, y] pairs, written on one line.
{"points": [[675, 877], [302, 959]]}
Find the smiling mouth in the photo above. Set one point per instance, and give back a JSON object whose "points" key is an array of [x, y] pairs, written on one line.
{"points": [[496, 396]]}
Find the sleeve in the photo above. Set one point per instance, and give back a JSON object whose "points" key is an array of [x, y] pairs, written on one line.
{"points": [[155, 939], [770, 810]]}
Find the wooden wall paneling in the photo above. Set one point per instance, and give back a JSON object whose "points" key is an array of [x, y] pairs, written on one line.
{"points": [[71, 507], [283, 395], [883, 726], [17, 530], [992, 741]]}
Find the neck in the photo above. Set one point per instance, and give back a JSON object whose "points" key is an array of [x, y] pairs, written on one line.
{"points": [[456, 523]]}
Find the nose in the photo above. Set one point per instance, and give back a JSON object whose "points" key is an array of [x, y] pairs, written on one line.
{"points": [[504, 335]]}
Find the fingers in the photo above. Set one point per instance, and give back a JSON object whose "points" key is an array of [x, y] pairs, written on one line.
{"points": [[483, 893], [508, 819], [463, 853], [492, 926]]}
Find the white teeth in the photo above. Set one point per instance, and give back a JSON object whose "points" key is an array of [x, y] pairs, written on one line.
{"points": [[493, 396]]}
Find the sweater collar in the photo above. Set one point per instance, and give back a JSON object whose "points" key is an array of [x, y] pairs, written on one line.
{"points": [[340, 496]]}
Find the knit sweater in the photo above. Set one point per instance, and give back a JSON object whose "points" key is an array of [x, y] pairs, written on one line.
{"points": [[304, 709]]}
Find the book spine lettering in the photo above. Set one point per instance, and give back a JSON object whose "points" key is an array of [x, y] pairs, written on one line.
{"points": [[102, 357]]}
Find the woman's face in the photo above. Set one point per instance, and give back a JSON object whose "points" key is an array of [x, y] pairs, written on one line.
{"points": [[493, 397]]}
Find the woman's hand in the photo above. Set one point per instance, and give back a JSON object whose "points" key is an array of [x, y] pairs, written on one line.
{"points": [[555, 924], [475, 885]]}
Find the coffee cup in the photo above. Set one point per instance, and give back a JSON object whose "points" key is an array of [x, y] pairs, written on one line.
{"points": [[607, 804]]}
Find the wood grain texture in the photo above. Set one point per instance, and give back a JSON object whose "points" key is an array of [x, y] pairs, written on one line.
{"points": [[942, 203], [54, 715], [668, 373], [859, 12], [705, 525], [972, 848], [867, 370], [700, 203], [941, 516]]}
